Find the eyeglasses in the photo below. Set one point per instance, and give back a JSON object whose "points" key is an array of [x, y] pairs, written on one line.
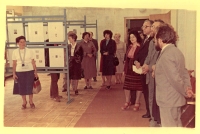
{"points": [[145, 27]]}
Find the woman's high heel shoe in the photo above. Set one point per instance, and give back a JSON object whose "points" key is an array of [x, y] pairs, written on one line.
{"points": [[24, 106], [136, 107], [32, 105], [126, 106]]}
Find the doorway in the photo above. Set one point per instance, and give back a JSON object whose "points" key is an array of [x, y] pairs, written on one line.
{"points": [[133, 24]]}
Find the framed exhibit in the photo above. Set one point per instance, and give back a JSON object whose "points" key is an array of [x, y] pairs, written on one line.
{"points": [[39, 56], [56, 57], [15, 30], [46, 36], [36, 32], [55, 32], [77, 30]]}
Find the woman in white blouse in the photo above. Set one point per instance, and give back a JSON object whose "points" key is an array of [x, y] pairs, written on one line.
{"points": [[24, 70]]}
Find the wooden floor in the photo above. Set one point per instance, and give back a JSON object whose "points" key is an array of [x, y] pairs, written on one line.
{"points": [[49, 113]]}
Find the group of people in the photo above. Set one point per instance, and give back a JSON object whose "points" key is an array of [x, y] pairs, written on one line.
{"points": [[164, 81]]}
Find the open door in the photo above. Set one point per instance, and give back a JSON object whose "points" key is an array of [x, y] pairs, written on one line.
{"points": [[165, 17]]}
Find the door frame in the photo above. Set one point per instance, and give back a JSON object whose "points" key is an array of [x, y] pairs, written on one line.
{"points": [[125, 24]]}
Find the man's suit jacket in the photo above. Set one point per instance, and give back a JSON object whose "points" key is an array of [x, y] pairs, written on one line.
{"points": [[95, 44], [151, 60], [142, 54], [172, 78]]}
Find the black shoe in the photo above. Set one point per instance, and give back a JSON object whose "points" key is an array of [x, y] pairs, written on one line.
{"points": [[108, 87], [90, 87], [85, 87], [64, 90], [76, 92], [147, 115]]}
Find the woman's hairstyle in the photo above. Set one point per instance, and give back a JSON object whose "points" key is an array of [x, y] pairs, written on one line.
{"points": [[85, 33], [107, 32], [136, 34], [19, 38], [73, 35], [117, 34]]}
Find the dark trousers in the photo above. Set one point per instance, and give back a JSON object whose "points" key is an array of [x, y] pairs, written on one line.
{"points": [[95, 78], [54, 85], [145, 92], [133, 97]]}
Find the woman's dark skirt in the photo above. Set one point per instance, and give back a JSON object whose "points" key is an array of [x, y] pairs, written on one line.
{"points": [[75, 70], [132, 81], [25, 82], [108, 67]]}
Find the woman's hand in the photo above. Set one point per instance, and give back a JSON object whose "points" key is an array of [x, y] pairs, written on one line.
{"points": [[137, 64], [36, 75], [15, 76], [106, 53], [89, 55]]}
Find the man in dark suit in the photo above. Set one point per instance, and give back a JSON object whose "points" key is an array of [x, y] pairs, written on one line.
{"points": [[140, 58], [96, 46], [172, 78], [147, 69]]}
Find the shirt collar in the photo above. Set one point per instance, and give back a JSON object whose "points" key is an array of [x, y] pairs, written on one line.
{"points": [[165, 47]]}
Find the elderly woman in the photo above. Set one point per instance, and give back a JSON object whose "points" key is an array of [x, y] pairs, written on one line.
{"points": [[108, 50], [24, 70], [132, 79], [121, 50], [76, 56], [88, 63]]}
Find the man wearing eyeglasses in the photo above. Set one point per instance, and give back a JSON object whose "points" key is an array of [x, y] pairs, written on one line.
{"points": [[140, 58], [147, 69]]}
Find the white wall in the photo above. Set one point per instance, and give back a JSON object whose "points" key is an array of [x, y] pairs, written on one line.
{"points": [[186, 24]]}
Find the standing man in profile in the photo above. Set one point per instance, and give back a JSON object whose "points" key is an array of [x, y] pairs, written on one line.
{"points": [[147, 69], [97, 48], [172, 78], [139, 61]]}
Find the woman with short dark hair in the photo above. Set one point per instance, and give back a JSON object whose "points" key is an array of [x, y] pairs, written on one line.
{"points": [[88, 63], [75, 52], [108, 50], [132, 80], [24, 70]]}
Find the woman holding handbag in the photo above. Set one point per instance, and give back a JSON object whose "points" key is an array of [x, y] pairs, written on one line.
{"points": [[24, 70]]}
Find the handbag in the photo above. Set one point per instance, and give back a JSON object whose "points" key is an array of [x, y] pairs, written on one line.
{"points": [[116, 61], [36, 86], [16, 87]]}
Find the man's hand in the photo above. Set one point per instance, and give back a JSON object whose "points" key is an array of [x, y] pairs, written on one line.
{"points": [[153, 74], [153, 67], [189, 92], [145, 68]]}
